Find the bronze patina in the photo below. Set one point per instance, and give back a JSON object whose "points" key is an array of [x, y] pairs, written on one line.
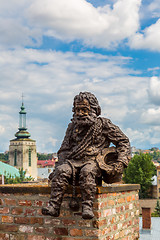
{"points": [[85, 157]]}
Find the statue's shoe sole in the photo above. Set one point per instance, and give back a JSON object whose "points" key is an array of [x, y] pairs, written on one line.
{"points": [[54, 213]]}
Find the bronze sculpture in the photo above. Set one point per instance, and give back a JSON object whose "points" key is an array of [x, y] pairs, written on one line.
{"points": [[85, 156]]}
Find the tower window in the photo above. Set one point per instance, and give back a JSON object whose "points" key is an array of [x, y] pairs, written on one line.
{"points": [[15, 157], [29, 156]]}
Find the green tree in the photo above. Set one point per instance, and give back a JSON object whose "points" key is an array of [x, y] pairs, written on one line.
{"points": [[155, 155], [4, 157], [156, 212], [9, 179], [42, 156], [140, 171]]}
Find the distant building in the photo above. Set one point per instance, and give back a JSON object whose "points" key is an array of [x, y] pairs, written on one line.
{"points": [[46, 163], [22, 149], [158, 181]]}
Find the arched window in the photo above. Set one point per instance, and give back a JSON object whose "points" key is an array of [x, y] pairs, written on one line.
{"points": [[29, 157], [15, 157]]}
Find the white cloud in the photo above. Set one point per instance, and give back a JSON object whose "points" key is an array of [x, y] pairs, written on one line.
{"points": [[151, 116], [148, 39], [80, 20], [154, 90], [53, 141], [24, 23], [2, 130]]}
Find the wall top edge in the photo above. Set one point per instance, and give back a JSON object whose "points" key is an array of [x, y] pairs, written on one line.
{"points": [[45, 189]]}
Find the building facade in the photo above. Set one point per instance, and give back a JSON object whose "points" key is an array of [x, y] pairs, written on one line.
{"points": [[158, 181], [22, 149]]}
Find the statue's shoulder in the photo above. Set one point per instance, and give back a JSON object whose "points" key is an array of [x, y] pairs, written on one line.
{"points": [[105, 121]]}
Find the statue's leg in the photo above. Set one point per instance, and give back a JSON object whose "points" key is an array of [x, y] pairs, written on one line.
{"points": [[87, 182], [59, 183]]}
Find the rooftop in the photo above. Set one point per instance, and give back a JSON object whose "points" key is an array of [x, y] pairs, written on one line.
{"points": [[8, 169]]}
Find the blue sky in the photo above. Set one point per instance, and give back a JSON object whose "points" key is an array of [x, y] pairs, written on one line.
{"points": [[51, 50]]}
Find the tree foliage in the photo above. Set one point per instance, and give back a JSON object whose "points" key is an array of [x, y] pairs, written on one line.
{"points": [[155, 155], [140, 171], [42, 156], [4, 157], [157, 210], [9, 179]]}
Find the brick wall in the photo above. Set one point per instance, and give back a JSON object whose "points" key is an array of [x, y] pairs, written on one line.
{"points": [[116, 209]]}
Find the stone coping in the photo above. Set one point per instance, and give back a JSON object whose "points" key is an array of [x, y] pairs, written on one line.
{"points": [[45, 189]]}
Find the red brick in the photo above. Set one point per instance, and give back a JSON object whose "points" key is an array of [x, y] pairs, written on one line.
{"points": [[112, 220], [52, 221], [86, 223], [17, 236], [35, 237], [30, 212], [38, 203], [76, 232], [56, 238], [41, 230], [107, 212], [1, 202], [68, 222], [21, 220], [121, 200], [17, 211], [72, 238], [25, 228], [39, 212], [99, 223], [34, 220], [11, 202], [61, 231], [24, 203], [97, 214], [111, 202], [7, 219], [92, 233], [133, 197], [4, 236], [105, 231], [8, 228], [4, 210], [129, 198]]}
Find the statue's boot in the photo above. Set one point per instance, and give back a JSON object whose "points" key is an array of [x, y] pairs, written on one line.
{"points": [[88, 189], [59, 183], [87, 211], [54, 203], [51, 211]]}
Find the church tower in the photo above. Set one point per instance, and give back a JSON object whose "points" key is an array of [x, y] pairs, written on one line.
{"points": [[22, 149]]}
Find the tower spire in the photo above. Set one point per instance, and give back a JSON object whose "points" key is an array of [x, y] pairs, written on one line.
{"points": [[22, 133], [22, 99]]}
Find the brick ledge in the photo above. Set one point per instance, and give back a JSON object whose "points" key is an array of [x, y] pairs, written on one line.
{"points": [[45, 189]]}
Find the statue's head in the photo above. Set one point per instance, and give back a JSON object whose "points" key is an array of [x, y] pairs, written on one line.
{"points": [[86, 104]]}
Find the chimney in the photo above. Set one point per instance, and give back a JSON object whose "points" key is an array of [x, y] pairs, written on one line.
{"points": [[146, 218]]}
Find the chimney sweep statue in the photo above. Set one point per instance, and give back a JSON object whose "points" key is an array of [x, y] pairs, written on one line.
{"points": [[85, 156]]}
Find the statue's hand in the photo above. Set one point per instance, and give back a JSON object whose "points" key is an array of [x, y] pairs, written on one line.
{"points": [[110, 169]]}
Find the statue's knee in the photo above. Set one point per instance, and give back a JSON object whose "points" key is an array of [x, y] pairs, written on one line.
{"points": [[63, 170]]}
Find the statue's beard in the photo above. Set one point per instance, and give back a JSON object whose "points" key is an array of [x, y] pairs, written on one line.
{"points": [[85, 120]]}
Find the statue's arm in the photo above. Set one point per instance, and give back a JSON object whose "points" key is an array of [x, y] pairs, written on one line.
{"points": [[119, 139]]}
